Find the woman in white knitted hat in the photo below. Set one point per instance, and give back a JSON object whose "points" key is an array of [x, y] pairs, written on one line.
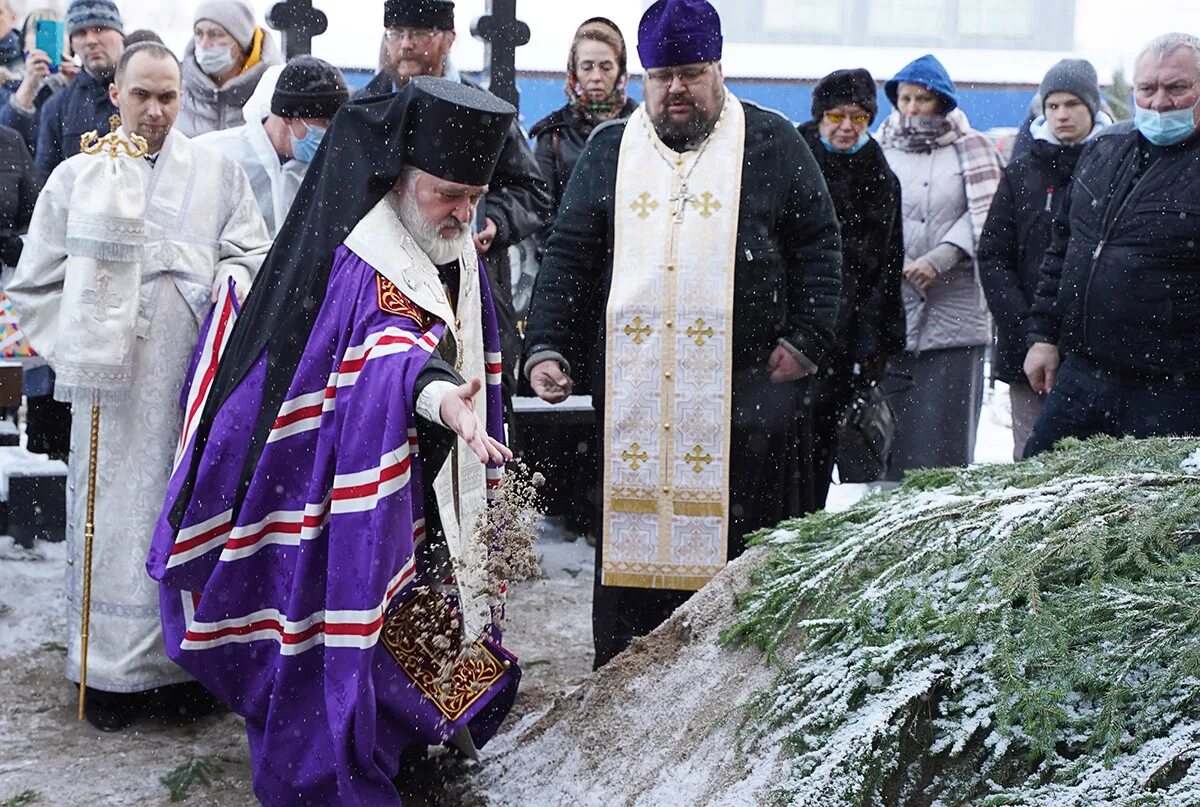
{"points": [[222, 66]]}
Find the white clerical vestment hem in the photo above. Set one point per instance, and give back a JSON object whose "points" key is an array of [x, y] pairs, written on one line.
{"points": [[668, 406]]}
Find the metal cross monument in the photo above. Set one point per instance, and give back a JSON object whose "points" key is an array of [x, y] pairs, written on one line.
{"points": [[299, 22], [502, 33]]}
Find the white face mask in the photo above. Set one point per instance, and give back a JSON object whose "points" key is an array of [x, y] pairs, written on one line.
{"points": [[215, 61]]}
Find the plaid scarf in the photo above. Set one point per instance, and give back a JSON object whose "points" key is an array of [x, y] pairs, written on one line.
{"points": [[981, 163]]}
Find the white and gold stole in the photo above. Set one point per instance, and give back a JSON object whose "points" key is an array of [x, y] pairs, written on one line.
{"points": [[668, 402]]}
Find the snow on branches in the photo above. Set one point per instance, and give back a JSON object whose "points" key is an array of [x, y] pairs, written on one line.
{"points": [[1023, 634]]}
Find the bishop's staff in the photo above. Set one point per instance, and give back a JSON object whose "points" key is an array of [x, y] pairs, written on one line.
{"points": [[106, 234]]}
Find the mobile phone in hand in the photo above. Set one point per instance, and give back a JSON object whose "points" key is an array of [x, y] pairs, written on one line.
{"points": [[49, 40]]}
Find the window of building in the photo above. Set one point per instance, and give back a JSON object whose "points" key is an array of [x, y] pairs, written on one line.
{"points": [[996, 18], [803, 16], [906, 18]]}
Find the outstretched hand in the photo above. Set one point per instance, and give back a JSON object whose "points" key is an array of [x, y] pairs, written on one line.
{"points": [[458, 413]]}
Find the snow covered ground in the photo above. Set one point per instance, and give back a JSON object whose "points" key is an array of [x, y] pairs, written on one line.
{"points": [[48, 752]]}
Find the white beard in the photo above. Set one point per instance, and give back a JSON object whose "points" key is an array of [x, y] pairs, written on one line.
{"points": [[428, 234]]}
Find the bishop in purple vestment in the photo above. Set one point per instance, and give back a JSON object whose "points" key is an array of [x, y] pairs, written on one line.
{"points": [[317, 561]]}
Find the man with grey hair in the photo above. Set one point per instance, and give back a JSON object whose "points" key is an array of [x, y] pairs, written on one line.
{"points": [[1119, 295]]}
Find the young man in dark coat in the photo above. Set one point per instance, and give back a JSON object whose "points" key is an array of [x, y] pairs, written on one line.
{"points": [[1017, 232], [1118, 300], [701, 232], [866, 195], [417, 39]]}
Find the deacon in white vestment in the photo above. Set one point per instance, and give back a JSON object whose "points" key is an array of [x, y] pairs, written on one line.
{"points": [[286, 119], [155, 236], [703, 230]]}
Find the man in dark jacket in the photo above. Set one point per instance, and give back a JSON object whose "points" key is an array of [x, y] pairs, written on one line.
{"points": [[98, 37], [418, 36], [1119, 294], [866, 195], [702, 229], [1017, 232]]}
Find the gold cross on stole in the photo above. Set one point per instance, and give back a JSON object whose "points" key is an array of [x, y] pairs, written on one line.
{"points": [[698, 460], [644, 205], [635, 456], [638, 330], [700, 332]]}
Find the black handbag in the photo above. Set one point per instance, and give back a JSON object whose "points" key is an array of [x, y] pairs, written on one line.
{"points": [[865, 435]]}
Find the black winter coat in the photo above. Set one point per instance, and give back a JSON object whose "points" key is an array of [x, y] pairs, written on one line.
{"points": [[82, 107], [866, 195], [19, 187], [1120, 284], [559, 139], [1014, 241], [787, 276]]}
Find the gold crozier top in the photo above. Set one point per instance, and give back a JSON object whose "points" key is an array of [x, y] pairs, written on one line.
{"points": [[113, 144]]}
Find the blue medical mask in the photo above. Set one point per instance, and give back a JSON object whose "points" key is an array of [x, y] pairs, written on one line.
{"points": [[304, 149], [1165, 128], [857, 147]]}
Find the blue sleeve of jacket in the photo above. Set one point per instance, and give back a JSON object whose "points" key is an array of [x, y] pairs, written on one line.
{"points": [[49, 153]]}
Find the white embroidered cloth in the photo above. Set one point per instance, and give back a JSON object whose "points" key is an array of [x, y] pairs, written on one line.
{"points": [[106, 236]]}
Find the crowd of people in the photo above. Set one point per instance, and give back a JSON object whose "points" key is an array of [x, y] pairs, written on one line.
{"points": [[322, 279]]}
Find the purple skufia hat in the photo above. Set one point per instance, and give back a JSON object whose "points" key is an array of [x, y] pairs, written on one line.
{"points": [[674, 32]]}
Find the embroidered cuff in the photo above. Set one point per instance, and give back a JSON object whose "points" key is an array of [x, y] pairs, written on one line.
{"points": [[539, 356], [805, 361], [429, 402]]}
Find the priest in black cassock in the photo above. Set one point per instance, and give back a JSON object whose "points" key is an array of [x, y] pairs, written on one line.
{"points": [[702, 229]]}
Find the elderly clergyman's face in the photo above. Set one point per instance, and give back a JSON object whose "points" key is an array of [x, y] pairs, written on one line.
{"points": [[684, 101], [437, 213]]}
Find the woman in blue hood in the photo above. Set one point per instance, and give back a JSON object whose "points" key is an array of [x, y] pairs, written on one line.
{"points": [[948, 174]]}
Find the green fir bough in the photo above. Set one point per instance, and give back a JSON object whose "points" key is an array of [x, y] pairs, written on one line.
{"points": [[1023, 634]]}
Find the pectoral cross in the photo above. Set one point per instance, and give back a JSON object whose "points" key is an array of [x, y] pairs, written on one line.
{"points": [[682, 200]]}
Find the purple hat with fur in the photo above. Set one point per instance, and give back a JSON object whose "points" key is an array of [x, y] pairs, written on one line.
{"points": [[674, 32]]}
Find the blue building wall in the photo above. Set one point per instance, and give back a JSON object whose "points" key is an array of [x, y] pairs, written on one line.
{"points": [[987, 107]]}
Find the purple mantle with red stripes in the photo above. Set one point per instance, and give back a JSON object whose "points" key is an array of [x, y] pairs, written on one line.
{"points": [[291, 609]]}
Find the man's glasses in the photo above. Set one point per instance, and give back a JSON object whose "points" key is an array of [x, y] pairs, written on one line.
{"points": [[839, 118], [665, 78], [419, 36]]}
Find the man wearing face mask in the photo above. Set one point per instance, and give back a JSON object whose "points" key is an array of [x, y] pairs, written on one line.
{"points": [[222, 66], [1118, 298], [276, 149]]}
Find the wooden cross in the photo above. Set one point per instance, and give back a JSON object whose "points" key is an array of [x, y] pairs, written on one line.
{"points": [[299, 22], [635, 456], [700, 332], [707, 205], [639, 330], [644, 205], [502, 33], [698, 460]]}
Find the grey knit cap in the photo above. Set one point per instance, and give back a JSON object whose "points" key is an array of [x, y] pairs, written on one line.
{"points": [[1076, 76], [83, 14], [232, 15]]}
